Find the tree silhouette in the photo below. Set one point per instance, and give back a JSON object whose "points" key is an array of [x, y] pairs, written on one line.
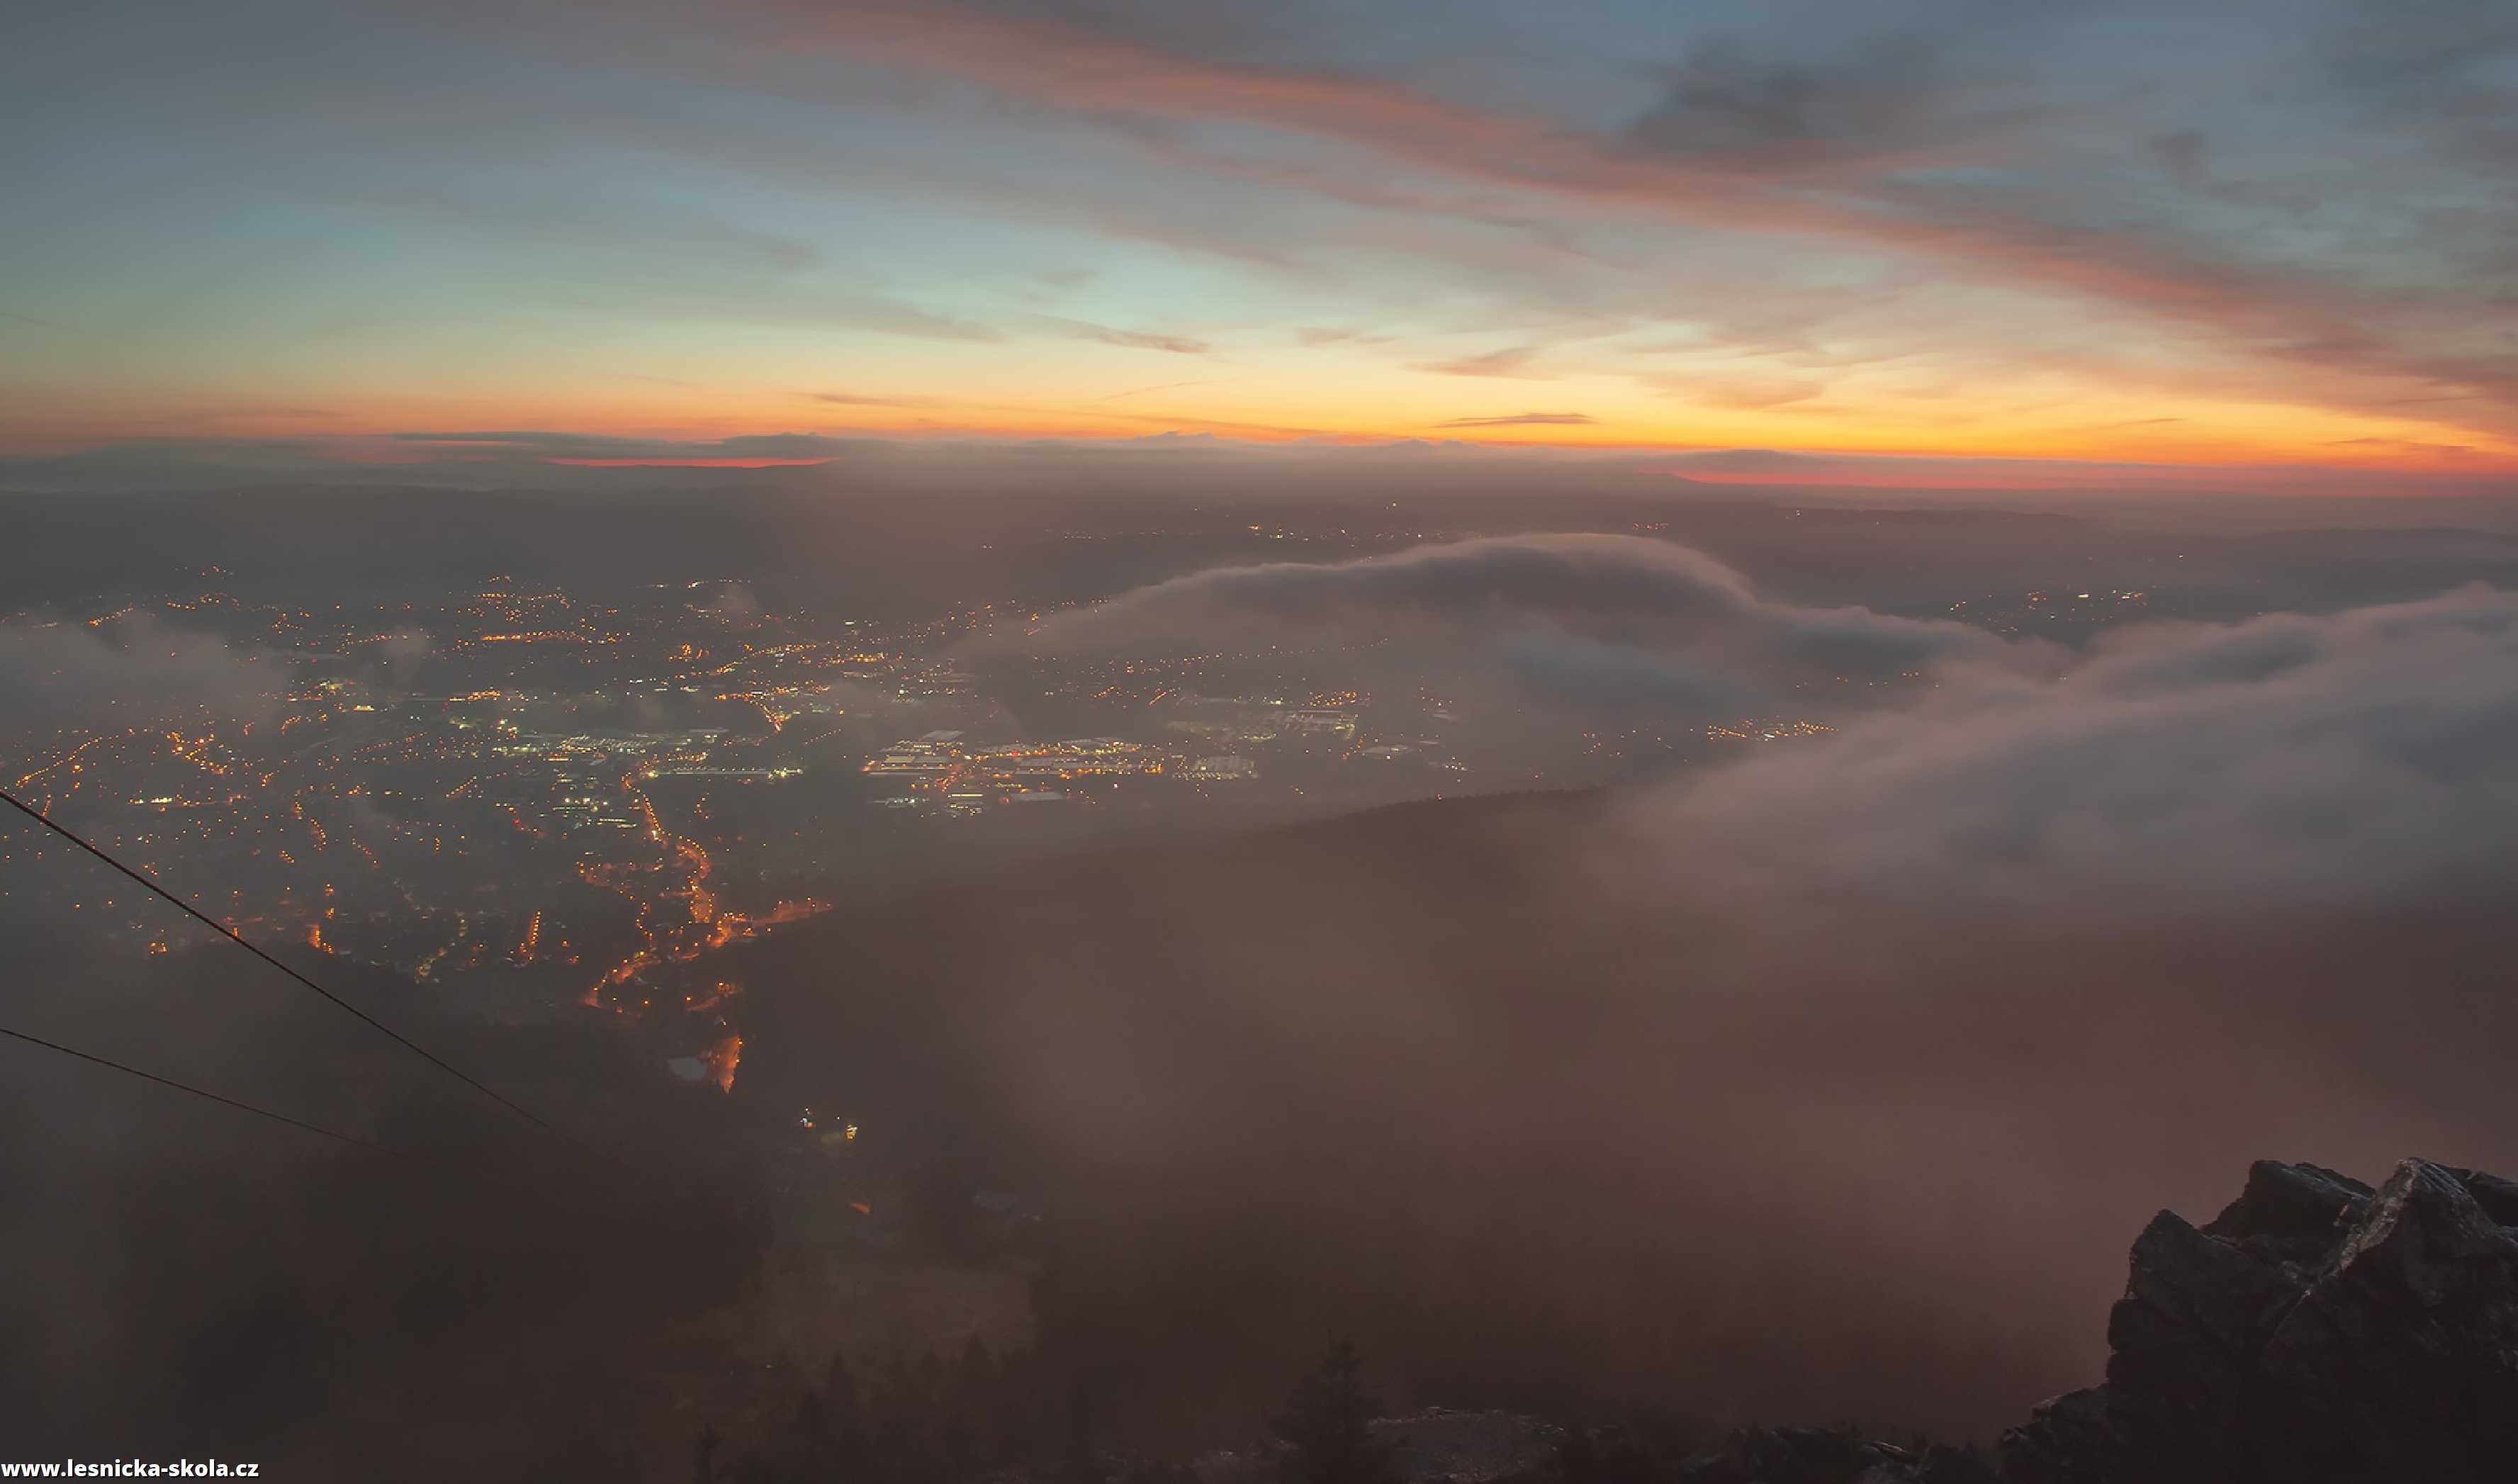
{"points": [[1325, 1424]]}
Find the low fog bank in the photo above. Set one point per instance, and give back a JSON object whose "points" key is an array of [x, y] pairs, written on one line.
{"points": [[1831, 1084], [65, 677], [1828, 1084], [1052, 533], [194, 1281], [1565, 625]]}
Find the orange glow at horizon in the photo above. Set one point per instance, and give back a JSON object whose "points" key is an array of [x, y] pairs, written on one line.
{"points": [[1073, 231], [688, 463], [1332, 402]]}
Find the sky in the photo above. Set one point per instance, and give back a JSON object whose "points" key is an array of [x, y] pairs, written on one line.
{"points": [[2268, 240]]}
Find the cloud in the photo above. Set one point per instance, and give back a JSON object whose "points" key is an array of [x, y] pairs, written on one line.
{"points": [[2405, 446], [2415, 46], [767, 281], [1160, 386], [1511, 361], [2356, 762], [1598, 621], [1524, 419], [70, 677], [1270, 460], [1749, 461], [782, 301], [589, 225], [1830, 1083], [1863, 1056], [1135, 339], [864, 399], [597, 449], [1603, 579], [1739, 389], [1893, 104], [1621, 161], [1733, 142], [2182, 154]]}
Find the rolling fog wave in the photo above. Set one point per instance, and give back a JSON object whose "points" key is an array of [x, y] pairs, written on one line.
{"points": [[1832, 1083]]}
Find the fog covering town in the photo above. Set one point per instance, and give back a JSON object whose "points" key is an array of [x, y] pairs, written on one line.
{"points": [[1752, 958]]}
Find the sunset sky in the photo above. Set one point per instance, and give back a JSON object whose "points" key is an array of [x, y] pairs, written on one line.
{"points": [[2276, 235]]}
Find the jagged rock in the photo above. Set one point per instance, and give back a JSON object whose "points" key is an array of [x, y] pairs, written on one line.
{"points": [[1827, 1456], [2317, 1331], [1436, 1446], [1439, 1445]]}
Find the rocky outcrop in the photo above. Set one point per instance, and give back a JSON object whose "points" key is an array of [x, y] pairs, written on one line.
{"points": [[1440, 1446], [2317, 1331], [1828, 1455]]}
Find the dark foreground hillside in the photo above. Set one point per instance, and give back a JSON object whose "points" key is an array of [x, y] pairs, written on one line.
{"points": [[2317, 1331], [1064, 1173], [1546, 1123]]}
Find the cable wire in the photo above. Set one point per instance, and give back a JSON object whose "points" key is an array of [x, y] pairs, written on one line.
{"points": [[232, 936], [151, 1076]]}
